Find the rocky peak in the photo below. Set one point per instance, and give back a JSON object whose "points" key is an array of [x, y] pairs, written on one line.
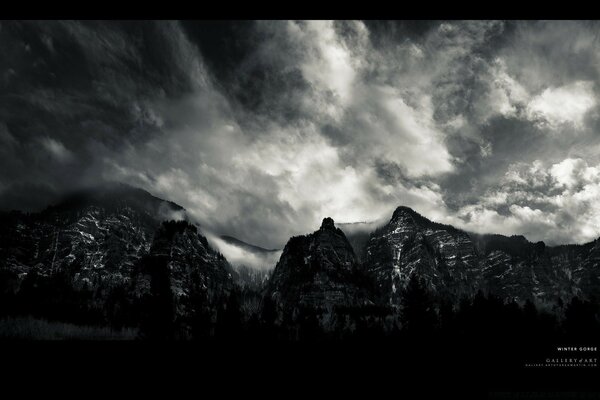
{"points": [[316, 270], [407, 220], [403, 212], [327, 224], [454, 263], [412, 244]]}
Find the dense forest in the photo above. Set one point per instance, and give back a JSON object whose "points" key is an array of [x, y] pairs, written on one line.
{"points": [[246, 315]]}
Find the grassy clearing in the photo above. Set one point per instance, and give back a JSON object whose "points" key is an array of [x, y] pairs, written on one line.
{"points": [[29, 328]]}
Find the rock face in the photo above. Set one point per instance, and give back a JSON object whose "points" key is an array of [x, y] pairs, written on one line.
{"points": [[516, 268], [96, 234], [105, 240], [411, 244], [319, 271], [191, 265], [182, 278], [109, 252], [455, 263]]}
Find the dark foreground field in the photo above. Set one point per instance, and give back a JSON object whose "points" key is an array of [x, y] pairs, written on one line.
{"points": [[400, 367]]}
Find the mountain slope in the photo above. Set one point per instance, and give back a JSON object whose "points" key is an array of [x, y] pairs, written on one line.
{"points": [[411, 244], [183, 278], [455, 263], [319, 271], [99, 233], [103, 247]]}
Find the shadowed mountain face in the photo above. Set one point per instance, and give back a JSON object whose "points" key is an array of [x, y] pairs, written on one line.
{"points": [[319, 270], [410, 244], [455, 263], [99, 232], [516, 268], [110, 243], [98, 235], [181, 282], [190, 263]]}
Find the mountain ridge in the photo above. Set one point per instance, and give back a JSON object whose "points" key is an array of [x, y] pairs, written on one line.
{"points": [[118, 250], [459, 262], [115, 244]]}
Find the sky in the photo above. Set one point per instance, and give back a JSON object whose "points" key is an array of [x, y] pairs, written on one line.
{"points": [[260, 129]]}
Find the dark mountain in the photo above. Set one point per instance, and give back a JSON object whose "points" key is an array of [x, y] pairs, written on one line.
{"points": [[246, 246], [99, 233], [442, 255], [105, 244], [320, 272], [455, 263], [182, 275], [116, 255]]}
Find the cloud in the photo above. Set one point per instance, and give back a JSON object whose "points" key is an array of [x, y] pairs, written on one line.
{"points": [[263, 177], [56, 149], [166, 212], [327, 62], [567, 104], [238, 256], [261, 129], [404, 134], [555, 203], [552, 108], [506, 96]]}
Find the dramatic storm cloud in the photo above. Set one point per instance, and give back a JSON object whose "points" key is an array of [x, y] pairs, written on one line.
{"points": [[261, 129]]}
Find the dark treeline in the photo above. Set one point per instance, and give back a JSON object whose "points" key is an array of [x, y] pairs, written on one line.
{"points": [[244, 314]]}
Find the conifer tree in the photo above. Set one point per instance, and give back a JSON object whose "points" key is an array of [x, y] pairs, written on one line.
{"points": [[418, 313]]}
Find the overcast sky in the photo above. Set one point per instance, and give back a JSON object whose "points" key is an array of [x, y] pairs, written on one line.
{"points": [[261, 129]]}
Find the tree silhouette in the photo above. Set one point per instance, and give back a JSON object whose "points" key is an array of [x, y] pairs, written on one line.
{"points": [[268, 316], [309, 329], [581, 319], [418, 313], [229, 318], [159, 313]]}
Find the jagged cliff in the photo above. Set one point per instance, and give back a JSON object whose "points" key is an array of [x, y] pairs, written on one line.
{"points": [[319, 270], [455, 263], [410, 244], [103, 252], [109, 253]]}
